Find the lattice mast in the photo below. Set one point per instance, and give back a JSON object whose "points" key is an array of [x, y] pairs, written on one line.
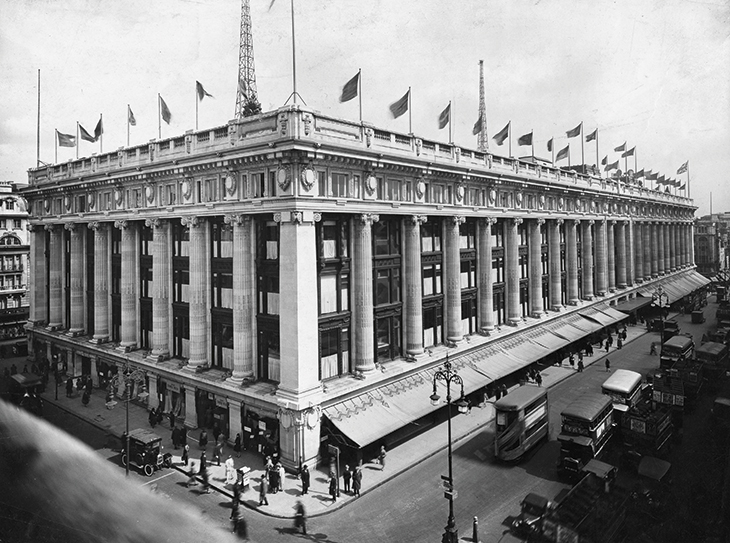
{"points": [[482, 139], [247, 100]]}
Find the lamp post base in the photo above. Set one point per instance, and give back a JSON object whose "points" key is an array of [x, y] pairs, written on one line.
{"points": [[451, 535]]}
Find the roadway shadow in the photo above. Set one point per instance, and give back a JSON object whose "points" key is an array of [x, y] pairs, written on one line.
{"points": [[319, 537]]}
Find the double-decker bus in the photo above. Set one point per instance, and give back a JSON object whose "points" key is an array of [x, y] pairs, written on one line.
{"points": [[521, 422], [624, 388], [586, 429]]}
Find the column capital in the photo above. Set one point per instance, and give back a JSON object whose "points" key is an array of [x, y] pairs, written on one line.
{"points": [[457, 219], [298, 217], [369, 218], [154, 223], [235, 219], [417, 220], [612, 222], [34, 227], [95, 225], [540, 222], [190, 221], [591, 222], [122, 224], [559, 221], [517, 221], [50, 227], [70, 226], [488, 221], [576, 222]]}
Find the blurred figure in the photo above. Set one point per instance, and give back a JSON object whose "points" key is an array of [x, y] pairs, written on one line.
{"points": [[300, 517]]}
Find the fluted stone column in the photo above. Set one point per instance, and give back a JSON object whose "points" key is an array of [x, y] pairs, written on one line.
{"points": [[586, 248], [660, 248], [630, 253], [413, 300], [571, 257], [535, 269], [646, 246], [101, 281], [244, 297], [37, 276], [611, 260], [673, 246], [76, 326], [160, 287], [601, 258], [638, 252], [511, 270], [198, 305], [620, 253], [129, 284], [452, 277], [55, 282], [664, 243], [654, 249], [691, 242], [556, 287], [362, 287], [682, 246], [486, 282]]}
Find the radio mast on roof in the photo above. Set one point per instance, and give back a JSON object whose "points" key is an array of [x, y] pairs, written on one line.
{"points": [[482, 139], [247, 100]]}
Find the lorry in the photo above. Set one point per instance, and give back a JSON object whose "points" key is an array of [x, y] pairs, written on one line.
{"points": [[646, 429], [714, 358], [723, 311], [675, 348]]}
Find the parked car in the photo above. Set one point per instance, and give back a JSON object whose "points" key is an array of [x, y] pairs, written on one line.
{"points": [[145, 452]]}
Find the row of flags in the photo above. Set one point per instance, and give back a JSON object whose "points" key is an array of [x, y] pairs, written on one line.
{"points": [[68, 140]]}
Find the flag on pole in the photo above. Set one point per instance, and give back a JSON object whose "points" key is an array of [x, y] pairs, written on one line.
{"points": [[98, 130], [550, 144], [399, 107], [525, 140], [242, 88], [612, 166], [651, 176], [574, 132], [683, 168], [640, 173], [592, 136], [621, 147], [500, 136], [682, 186], [165, 111], [130, 117], [445, 117], [630, 152], [202, 93], [66, 140], [349, 91], [604, 161], [477, 128], [660, 180], [563, 153], [85, 135]]}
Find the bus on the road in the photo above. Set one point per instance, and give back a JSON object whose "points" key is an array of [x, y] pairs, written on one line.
{"points": [[521, 421]]}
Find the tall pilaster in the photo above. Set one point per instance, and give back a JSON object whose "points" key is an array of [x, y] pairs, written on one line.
{"points": [[535, 262], [452, 277], [198, 306], [646, 246], [129, 284], [611, 260], [630, 253], [413, 301], [620, 254], [586, 248], [101, 281], [161, 273], [682, 246], [673, 246], [76, 326], [601, 258], [55, 282], [638, 252], [667, 251], [486, 282], [362, 286], [660, 248], [654, 247], [556, 285], [37, 275], [691, 242], [571, 257], [244, 296], [511, 270]]}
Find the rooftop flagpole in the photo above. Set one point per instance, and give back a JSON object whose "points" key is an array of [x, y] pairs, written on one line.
{"points": [[196, 106], [38, 125], [293, 55], [582, 155], [159, 118], [101, 134], [359, 90], [77, 140], [410, 126], [509, 136]]}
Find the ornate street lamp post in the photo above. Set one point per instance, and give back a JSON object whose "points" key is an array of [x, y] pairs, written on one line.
{"points": [[125, 379], [447, 375], [660, 299]]}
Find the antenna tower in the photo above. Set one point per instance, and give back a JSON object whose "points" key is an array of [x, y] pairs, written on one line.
{"points": [[482, 141], [247, 100]]}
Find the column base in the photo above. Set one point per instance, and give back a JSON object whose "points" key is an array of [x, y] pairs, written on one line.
{"points": [[98, 340], [195, 366], [486, 331], [75, 332], [573, 302], [602, 293], [54, 327], [160, 355], [622, 286], [514, 321], [537, 315], [589, 297], [240, 378], [558, 308], [126, 348]]}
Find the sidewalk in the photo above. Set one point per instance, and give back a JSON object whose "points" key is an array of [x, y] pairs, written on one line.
{"points": [[318, 501]]}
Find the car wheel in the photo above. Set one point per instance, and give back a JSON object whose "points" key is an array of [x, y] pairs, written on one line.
{"points": [[149, 469], [124, 460]]}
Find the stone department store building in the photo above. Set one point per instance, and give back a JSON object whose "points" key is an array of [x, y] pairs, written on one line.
{"points": [[299, 278]]}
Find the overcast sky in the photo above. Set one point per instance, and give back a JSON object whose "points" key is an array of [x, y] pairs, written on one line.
{"points": [[653, 73]]}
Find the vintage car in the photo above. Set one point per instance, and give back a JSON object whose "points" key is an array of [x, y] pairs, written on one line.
{"points": [[145, 451]]}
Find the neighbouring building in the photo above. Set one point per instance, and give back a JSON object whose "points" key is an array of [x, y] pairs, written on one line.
{"points": [[298, 278], [14, 249]]}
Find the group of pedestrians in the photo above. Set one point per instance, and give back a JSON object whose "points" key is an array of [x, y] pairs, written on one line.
{"points": [[272, 480]]}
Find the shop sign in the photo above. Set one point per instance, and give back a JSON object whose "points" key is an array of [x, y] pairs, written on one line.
{"points": [[221, 402], [262, 425], [173, 387]]}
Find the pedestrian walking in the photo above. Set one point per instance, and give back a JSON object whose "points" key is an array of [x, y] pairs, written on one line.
{"points": [[305, 477], [175, 437], [571, 360], [300, 517], [607, 346], [608, 365], [237, 446], [381, 457], [172, 419], [203, 441], [86, 398], [185, 455], [69, 387], [282, 476], [589, 350], [580, 356], [203, 461], [216, 432], [152, 418], [619, 343], [263, 491], [183, 436], [333, 486], [538, 378], [497, 393], [274, 480], [191, 476], [206, 479], [580, 365], [240, 526], [217, 453], [346, 476], [504, 390], [13, 369], [230, 471], [357, 481]]}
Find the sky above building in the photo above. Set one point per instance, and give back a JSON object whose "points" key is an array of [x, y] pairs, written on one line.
{"points": [[651, 73]]}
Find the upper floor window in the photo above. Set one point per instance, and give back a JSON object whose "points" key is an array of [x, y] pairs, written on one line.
{"points": [[431, 236]]}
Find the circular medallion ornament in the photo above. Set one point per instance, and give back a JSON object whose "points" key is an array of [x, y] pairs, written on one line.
{"points": [[47, 205], [460, 192], [577, 204], [561, 203], [118, 196], [492, 196], [67, 202], [518, 198], [187, 189], [230, 184], [371, 183], [542, 200], [150, 193], [420, 189], [91, 198], [282, 178], [308, 177]]}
